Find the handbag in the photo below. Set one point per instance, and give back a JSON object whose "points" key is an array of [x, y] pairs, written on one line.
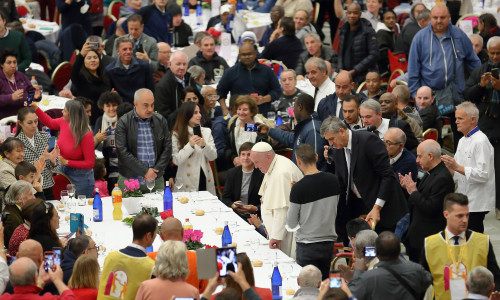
{"points": [[447, 98], [403, 282]]}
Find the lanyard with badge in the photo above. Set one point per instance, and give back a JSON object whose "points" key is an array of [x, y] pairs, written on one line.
{"points": [[455, 274]]}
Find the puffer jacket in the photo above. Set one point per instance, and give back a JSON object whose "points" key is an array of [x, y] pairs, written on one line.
{"points": [[364, 54]]}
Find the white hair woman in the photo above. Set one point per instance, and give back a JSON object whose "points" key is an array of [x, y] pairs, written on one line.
{"points": [[171, 270]]}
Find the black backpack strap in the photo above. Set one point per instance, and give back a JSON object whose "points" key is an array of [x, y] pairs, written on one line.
{"points": [[402, 281]]}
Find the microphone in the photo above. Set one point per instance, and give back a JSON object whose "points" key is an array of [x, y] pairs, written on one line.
{"points": [[370, 128]]}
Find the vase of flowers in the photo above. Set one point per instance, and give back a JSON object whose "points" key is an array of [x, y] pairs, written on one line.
{"points": [[131, 192], [192, 239]]}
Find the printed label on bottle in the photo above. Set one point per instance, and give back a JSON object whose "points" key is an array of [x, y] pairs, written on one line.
{"points": [[96, 214]]}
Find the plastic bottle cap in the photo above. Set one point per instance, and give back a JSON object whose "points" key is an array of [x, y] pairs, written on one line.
{"points": [[116, 184], [187, 220], [32, 77]]}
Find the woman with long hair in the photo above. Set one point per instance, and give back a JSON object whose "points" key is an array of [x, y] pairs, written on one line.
{"points": [[87, 77], [84, 281], [76, 145], [487, 27], [14, 85], [36, 144], [192, 153], [44, 223], [246, 265]]}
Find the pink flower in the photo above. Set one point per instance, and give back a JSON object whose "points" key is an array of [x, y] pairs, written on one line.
{"points": [[196, 236], [187, 235]]}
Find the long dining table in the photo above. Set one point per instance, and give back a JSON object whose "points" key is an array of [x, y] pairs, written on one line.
{"points": [[115, 234]]}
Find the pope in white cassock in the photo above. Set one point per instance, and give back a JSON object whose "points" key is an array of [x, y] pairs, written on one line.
{"points": [[279, 175]]}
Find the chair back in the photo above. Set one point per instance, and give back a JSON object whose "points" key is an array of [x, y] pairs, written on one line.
{"points": [[23, 10], [62, 75], [114, 8], [431, 134], [61, 181], [108, 19], [397, 61], [75, 53], [43, 60]]}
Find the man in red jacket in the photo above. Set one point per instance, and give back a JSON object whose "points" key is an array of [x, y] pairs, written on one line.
{"points": [[25, 279]]}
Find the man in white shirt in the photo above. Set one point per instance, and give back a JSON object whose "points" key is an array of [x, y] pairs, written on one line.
{"points": [[472, 167], [279, 175], [317, 72]]}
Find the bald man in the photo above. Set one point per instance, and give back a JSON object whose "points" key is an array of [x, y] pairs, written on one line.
{"points": [[331, 105], [31, 249], [279, 175], [427, 108], [426, 197], [24, 278], [435, 63], [164, 52], [171, 230]]}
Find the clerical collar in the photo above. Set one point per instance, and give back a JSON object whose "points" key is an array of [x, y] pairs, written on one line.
{"points": [[476, 129]]}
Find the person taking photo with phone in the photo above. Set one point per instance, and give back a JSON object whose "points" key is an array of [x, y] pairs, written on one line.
{"points": [[247, 112], [483, 89], [192, 149]]}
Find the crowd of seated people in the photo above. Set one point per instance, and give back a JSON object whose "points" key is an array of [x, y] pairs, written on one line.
{"points": [[262, 132]]}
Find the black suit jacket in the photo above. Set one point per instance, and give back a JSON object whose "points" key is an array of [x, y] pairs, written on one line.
{"points": [[429, 117], [411, 140], [232, 187], [373, 176], [426, 205]]}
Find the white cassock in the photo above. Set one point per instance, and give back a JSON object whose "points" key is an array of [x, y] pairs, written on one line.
{"points": [[275, 192]]}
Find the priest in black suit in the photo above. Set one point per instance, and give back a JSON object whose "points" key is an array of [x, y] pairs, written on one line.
{"points": [[241, 191], [368, 184], [426, 198]]}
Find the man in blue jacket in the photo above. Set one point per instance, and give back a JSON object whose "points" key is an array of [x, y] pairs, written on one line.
{"points": [[438, 54], [306, 130], [128, 74], [247, 77]]}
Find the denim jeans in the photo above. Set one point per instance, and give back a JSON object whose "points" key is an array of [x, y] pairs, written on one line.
{"points": [[83, 179], [402, 226]]}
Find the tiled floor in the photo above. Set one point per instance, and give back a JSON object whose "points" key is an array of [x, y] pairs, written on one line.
{"points": [[492, 228]]}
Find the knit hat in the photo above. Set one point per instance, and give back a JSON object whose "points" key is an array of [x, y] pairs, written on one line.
{"points": [[173, 9]]}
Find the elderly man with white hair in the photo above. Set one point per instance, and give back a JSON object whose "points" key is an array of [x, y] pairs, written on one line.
{"points": [[309, 281], [483, 88], [170, 89], [480, 284], [280, 174], [471, 167]]}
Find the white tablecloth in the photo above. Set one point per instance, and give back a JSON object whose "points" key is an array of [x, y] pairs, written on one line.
{"points": [[255, 21], [115, 235], [52, 102], [50, 30]]}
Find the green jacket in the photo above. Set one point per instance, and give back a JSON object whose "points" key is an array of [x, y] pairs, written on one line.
{"points": [[17, 42]]}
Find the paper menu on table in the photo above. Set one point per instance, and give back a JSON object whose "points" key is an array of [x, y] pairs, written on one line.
{"points": [[225, 48], [466, 26]]}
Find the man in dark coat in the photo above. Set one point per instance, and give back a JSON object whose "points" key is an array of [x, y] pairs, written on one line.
{"points": [[426, 198], [358, 48]]}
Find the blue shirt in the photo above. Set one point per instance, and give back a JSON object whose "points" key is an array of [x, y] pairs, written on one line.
{"points": [[145, 142]]}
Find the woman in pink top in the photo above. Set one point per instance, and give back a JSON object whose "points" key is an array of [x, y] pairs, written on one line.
{"points": [[171, 270], [76, 145]]}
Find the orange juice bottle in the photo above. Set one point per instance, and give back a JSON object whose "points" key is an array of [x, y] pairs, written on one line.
{"points": [[116, 194]]}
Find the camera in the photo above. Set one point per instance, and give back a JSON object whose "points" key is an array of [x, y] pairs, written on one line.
{"points": [[370, 252], [251, 127], [335, 280], [95, 45]]}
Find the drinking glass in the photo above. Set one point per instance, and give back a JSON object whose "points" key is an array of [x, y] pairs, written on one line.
{"points": [[82, 199], [271, 116], [71, 190], [178, 183], [64, 196], [150, 184]]}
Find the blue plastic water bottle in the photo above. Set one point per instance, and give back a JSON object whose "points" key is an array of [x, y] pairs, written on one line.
{"points": [[199, 18], [97, 206], [186, 8], [239, 5], [279, 121], [226, 236], [167, 198], [229, 25], [276, 282]]}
